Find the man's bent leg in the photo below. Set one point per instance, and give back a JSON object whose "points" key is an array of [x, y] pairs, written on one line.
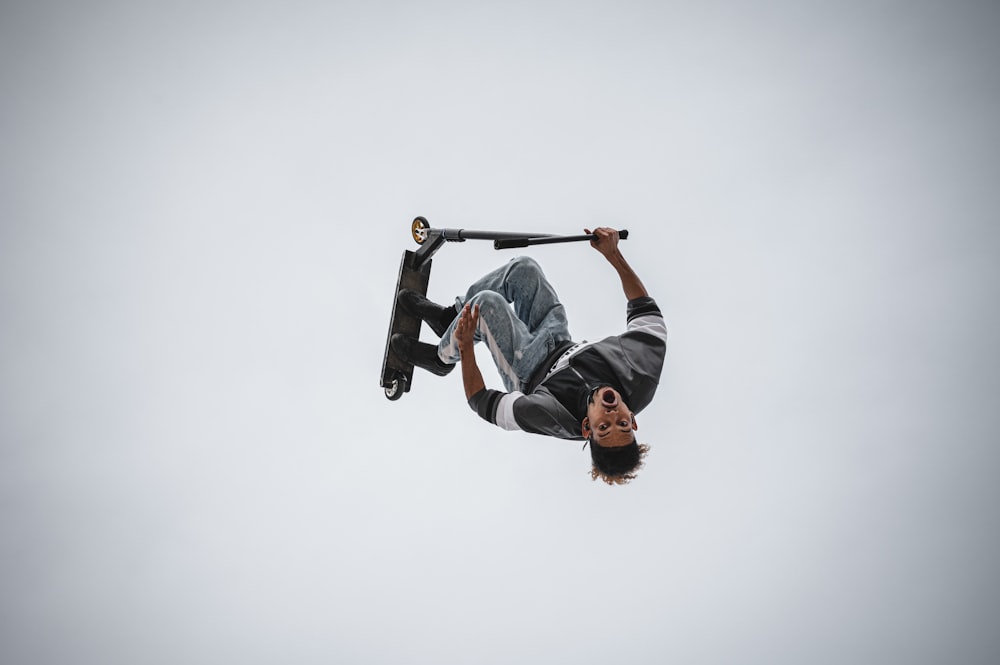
{"points": [[505, 335], [522, 283], [520, 338]]}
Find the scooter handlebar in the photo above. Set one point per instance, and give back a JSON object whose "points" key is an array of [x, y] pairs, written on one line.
{"points": [[513, 243]]}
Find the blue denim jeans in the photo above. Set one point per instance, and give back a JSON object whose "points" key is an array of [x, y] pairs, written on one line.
{"points": [[519, 337]]}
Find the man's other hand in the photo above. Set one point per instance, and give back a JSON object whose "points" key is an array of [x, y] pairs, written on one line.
{"points": [[606, 242]]}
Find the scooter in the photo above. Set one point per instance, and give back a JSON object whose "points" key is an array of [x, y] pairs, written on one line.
{"points": [[415, 273]]}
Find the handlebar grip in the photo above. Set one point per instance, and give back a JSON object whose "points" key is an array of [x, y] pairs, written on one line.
{"points": [[510, 243]]}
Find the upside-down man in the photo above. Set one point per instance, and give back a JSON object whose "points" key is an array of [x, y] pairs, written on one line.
{"points": [[554, 386]]}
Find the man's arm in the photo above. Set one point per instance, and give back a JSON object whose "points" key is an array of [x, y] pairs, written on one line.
{"points": [[491, 405], [472, 378], [607, 244]]}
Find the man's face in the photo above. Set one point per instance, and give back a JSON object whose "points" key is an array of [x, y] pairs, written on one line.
{"points": [[608, 421]]}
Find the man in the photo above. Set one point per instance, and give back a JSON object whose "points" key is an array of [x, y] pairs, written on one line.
{"points": [[553, 386]]}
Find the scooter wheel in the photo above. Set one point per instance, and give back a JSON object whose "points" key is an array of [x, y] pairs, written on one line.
{"points": [[395, 388], [419, 230]]}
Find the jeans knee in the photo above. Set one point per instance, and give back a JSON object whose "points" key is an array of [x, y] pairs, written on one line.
{"points": [[525, 265], [488, 299]]}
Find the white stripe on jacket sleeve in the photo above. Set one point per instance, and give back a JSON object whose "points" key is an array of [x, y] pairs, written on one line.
{"points": [[652, 324], [505, 411]]}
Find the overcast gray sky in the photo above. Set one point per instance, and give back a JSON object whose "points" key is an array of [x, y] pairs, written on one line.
{"points": [[202, 210]]}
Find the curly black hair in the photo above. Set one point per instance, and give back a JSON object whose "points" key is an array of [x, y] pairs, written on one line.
{"points": [[616, 466]]}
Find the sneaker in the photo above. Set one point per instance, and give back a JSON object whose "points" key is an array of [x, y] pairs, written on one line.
{"points": [[436, 316], [420, 354]]}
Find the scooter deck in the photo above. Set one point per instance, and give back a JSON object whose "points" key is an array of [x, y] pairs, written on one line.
{"points": [[397, 374]]}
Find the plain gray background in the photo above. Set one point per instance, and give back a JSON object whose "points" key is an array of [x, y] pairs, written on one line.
{"points": [[202, 210]]}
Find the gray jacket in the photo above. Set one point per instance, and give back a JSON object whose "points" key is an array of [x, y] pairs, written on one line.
{"points": [[555, 401]]}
